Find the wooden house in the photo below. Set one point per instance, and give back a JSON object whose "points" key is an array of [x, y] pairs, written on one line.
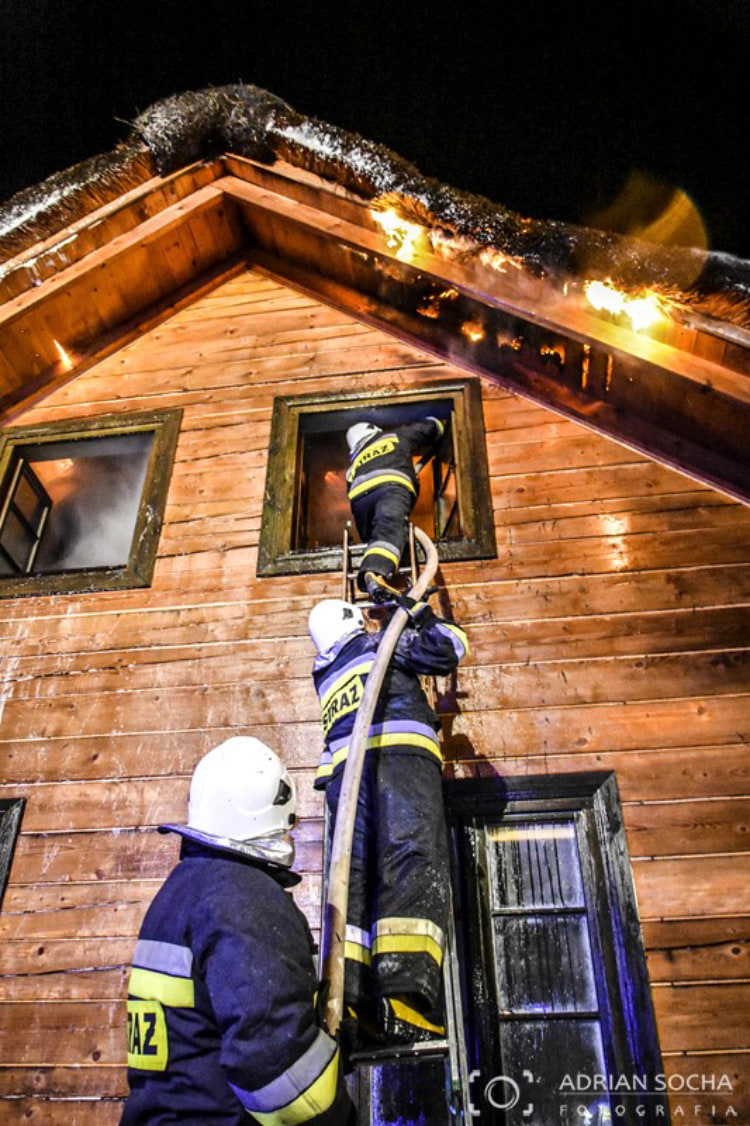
{"points": [[213, 302]]}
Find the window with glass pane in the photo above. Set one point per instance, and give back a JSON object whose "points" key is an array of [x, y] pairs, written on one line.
{"points": [[413, 1090], [26, 511], [543, 962], [81, 502], [555, 982]]}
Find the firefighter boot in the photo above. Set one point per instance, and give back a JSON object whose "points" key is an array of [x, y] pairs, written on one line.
{"points": [[378, 589], [401, 1023]]}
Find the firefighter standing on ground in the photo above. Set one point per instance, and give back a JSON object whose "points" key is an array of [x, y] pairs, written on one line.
{"points": [[398, 892], [221, 1020], [382, 488]]}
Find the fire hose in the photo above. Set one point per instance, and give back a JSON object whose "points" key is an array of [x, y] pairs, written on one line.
{"points": [[334, 920]]}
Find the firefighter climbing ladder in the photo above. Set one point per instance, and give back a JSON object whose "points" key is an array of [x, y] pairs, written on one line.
{"points": [[336, 899]]}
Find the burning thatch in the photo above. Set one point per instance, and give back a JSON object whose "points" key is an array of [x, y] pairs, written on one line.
{"points": [[254, 123]]}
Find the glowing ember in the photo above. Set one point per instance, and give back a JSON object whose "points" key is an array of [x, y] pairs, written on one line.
{"points": [[557, 353], [472, 330], [432, 306], [642, 311], [401, 235], [65, 359]]}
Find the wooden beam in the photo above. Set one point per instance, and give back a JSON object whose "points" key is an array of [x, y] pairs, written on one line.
{"points": [[516, 292], [100, 227], [523, 374], [109, 287]]}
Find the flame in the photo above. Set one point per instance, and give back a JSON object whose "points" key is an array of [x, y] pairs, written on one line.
{"points": [[65, 359], [496, 260], [473, 331], [603, 296], [400, 235], [556, 353], [431, 307], [642, 311]]}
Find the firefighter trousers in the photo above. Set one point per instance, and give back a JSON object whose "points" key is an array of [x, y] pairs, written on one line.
{"points": [[382, 519], [399, 887]]}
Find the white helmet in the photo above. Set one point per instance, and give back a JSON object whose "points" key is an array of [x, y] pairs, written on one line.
{"points": [[241, 790], [358, 432], [332, 620]]}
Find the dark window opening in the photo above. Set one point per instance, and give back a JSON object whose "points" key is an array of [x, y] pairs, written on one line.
{"points": [[321, 504], [84, 499], [307, 508]]}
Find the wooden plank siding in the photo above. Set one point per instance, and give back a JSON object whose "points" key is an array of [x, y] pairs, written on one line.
{"points": [[611, 633]]}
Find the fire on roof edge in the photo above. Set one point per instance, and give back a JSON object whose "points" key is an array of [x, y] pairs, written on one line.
{"points": [[254, 123]]}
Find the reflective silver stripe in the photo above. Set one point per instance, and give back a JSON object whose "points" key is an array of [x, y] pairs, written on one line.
{"points": [[164, 957], [356, 934], [457, 637], [294, 1081], [385, 545], [328, 684], [396, 925]]}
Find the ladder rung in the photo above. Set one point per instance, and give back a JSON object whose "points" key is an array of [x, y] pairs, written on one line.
{"points": [[396, 1051]]}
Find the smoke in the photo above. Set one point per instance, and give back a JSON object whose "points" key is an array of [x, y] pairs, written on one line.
{"points": [[95, 502]]}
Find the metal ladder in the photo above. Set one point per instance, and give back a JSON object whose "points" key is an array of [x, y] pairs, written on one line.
{"points": [[349, 590], [451, 1048]]}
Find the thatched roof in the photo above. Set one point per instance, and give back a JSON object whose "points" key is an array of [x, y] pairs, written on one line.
{"points": [[251, 122]]}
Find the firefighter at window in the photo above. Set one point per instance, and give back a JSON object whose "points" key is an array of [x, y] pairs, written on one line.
{"points": [[221, 1018], [399, 884], [382, 487]]}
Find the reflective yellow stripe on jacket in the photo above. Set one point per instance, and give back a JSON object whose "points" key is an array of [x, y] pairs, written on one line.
{"points": [[306, 1089]]}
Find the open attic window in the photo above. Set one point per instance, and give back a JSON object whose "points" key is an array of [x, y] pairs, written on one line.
{"points": [[306, 507], [81, 502]]}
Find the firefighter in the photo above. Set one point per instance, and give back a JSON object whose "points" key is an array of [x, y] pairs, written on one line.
{"points": [[399, 885], [221, 1018], [382, 487]]}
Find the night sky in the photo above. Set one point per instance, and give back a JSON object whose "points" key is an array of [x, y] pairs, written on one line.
{"points": [[548, 113]]}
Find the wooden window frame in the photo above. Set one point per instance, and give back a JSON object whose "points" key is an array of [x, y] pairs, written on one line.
{"points": [[11, 812], [276, 555], [138, 571], [22, 472], [628, 1026]]}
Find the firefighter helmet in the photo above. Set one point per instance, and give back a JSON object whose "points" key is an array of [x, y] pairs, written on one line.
{"points": [[241, 790], [357, 433], [332, 620]]}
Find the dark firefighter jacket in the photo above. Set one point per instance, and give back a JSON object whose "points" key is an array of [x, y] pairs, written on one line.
{"points": [[387, 459], [220, 1006], [403, 719]]}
